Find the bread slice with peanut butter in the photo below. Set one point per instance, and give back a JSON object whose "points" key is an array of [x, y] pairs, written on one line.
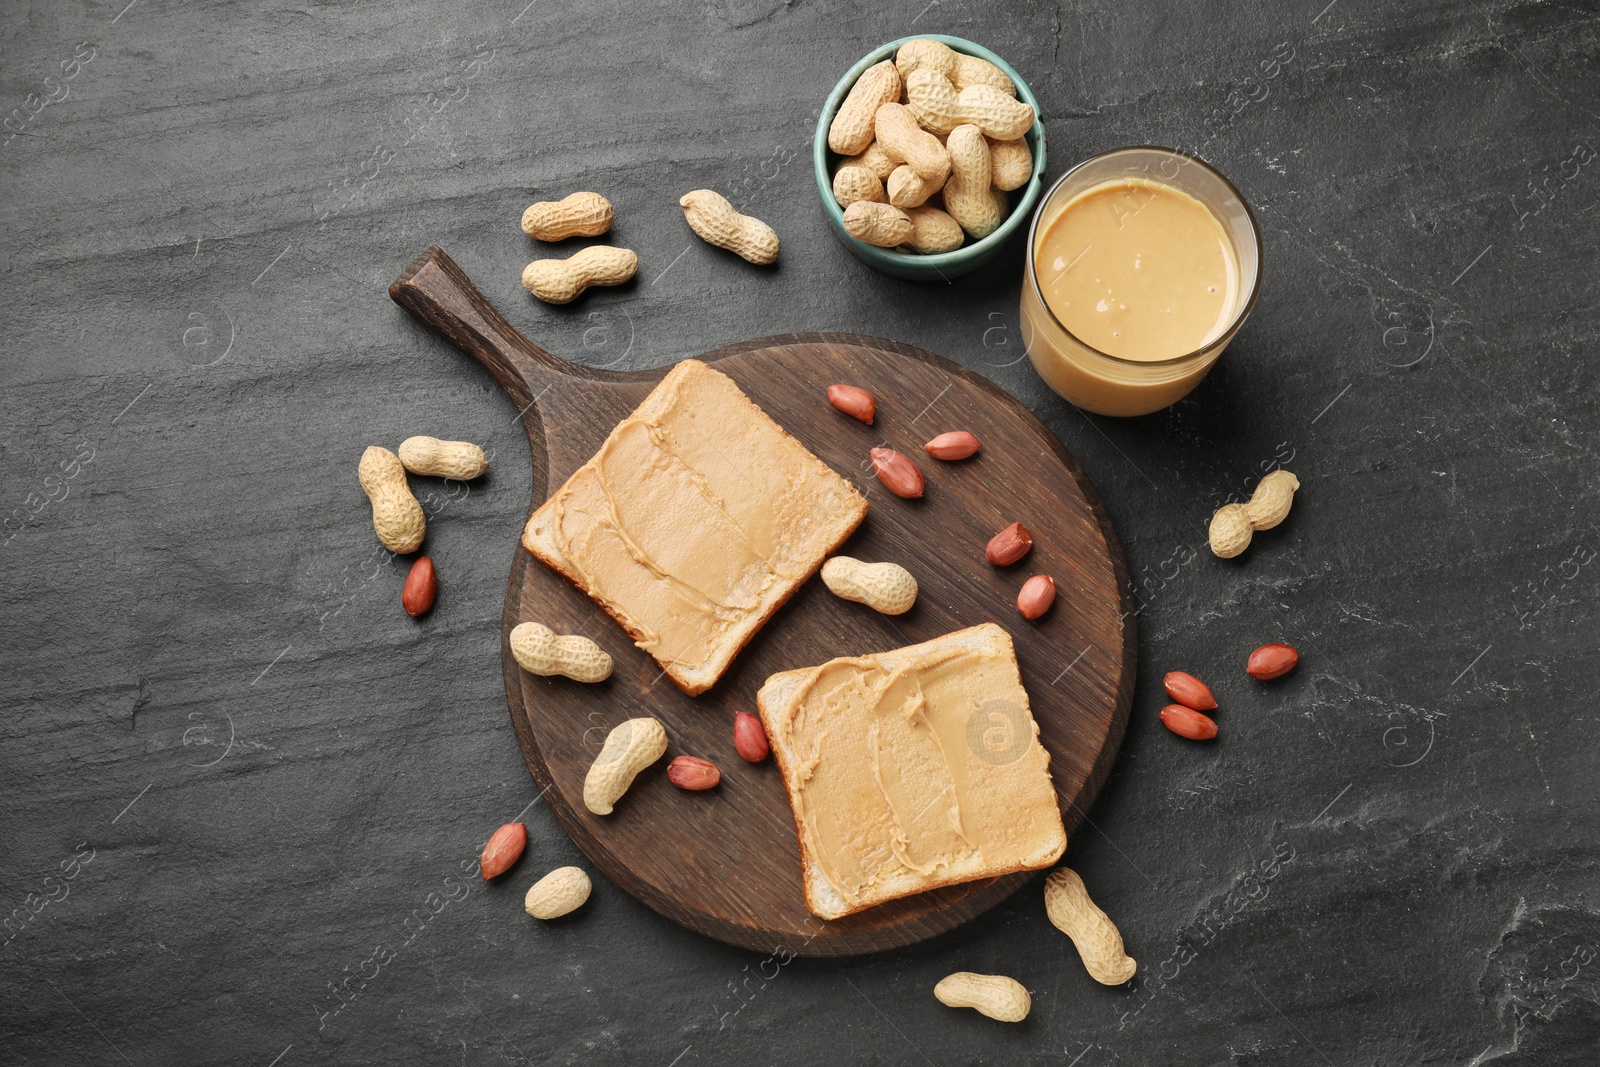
{"points": [[694, 522], [912, 769]]}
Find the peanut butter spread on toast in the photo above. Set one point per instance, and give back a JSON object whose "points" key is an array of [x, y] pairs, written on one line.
{"points": [[694, 520], [915, 768]]}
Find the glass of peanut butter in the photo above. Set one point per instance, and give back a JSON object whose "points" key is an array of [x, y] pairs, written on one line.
{"points": [[1143, 263]]}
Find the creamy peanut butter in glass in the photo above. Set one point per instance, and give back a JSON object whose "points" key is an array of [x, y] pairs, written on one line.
{"points": [[1143, 263]]}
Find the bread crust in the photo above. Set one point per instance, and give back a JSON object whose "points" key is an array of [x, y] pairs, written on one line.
{"points": [[781, 756]]}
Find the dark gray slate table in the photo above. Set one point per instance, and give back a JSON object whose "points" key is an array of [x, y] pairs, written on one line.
{"points": [[241, 792]]}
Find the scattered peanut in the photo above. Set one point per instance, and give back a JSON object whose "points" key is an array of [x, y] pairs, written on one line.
{"points": [[1010, 164], [1067, 902], [1189, 691], [877, 224], [1186, 722], [856, 183], [1036, 596], [539, 650], [630, 747], [714, 219], [396, 515], [1271, 661], [1009, 545], [994, 995], [908, 189], [750, 738], [1269, 504], [906, 142], [852, 128], [504, 849], [973, 70], [874, 159], [422, 584], [934, 55], [968, 196], [855, 402], [561, 281], [898, 474], [933, 231], [885, 587], [1234, 524], [693, 773], [957, 444], [561, 892], [461, 460], [578, 215]]}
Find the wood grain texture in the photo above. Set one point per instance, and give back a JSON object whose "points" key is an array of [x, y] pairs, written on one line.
{"points": [[726, 863]]}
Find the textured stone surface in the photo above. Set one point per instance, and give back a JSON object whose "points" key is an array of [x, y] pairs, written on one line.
{"points": [[244, 790]]}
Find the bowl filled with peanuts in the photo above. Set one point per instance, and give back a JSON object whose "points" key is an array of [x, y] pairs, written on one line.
{"points": [[929, 154]]}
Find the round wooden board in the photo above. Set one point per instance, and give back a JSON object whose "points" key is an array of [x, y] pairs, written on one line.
{"points": [[725, 863]]}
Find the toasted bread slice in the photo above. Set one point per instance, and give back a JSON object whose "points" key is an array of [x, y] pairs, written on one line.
{"points": [[697, 518], [912, 769]]}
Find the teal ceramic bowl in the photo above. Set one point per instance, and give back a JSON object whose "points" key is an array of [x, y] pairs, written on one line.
{"points": [[945, 265]]}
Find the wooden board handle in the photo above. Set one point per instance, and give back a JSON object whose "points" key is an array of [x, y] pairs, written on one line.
{"points": [[439, 293]]}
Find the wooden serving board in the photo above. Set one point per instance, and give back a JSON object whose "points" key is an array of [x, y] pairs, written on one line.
{"points": [[725, 863]]}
